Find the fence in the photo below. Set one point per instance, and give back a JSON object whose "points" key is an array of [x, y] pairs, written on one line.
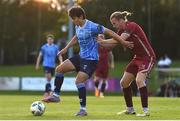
{"points": [[38, 84]]}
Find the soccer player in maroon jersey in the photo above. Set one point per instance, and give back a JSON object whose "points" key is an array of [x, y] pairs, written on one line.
{"points": [[141, 64], [106, 59]]}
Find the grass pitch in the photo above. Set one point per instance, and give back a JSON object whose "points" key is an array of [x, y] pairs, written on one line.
{"points": [[16, 107]]}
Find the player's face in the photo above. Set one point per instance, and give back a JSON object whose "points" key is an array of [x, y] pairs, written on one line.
{"points": [[118, 24], [50, 40], [76, 20]]}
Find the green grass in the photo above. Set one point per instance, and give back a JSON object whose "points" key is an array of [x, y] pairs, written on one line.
{"points": [[29, 70], [16, 107]]}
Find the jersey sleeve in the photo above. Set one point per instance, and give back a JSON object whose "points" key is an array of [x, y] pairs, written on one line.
{"points": [[42, 50], [130, 28], [98, 29]]}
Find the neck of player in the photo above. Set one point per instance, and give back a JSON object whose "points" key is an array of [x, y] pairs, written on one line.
{"points": [[82, 22]]}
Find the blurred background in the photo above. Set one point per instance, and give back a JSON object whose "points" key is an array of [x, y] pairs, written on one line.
{"points": [[24, 25]]}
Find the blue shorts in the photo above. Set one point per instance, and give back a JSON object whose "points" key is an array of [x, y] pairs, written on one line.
{"points": [[83, 65], [48, 70]]}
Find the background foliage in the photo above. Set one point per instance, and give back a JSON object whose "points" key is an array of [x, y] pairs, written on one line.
{"points": [[23, 27]]}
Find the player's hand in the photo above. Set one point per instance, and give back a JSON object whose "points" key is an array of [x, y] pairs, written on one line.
{"points": [[128, 44], [63, 51], [99, 38]]}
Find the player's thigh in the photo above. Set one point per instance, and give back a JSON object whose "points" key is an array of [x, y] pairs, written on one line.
{"points": [[81, 77], [140, 79], [127, 79], [144, 68], [66, 66]]}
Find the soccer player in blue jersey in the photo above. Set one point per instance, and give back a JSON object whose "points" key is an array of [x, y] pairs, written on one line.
{"points": [[49, 53], [85, 62]]}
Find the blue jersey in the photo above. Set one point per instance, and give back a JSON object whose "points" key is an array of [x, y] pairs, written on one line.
{"points": [[49, 53], [87, 39]]}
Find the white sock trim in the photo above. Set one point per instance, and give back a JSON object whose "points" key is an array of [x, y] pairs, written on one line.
{"points": [[56, 95], [83, 108], [145, 109], [131, 109]]}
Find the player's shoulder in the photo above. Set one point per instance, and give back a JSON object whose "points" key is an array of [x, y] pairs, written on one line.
{"points": [[56, 46], [91, 23], [131, 24], [44, 46]]}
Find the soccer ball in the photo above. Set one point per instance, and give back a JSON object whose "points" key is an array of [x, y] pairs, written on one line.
{"points": [[37, 108]]}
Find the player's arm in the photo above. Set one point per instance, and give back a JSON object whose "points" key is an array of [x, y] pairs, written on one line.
{"points": [[70, 44], [111, 59], [60, 59], [38, 60], [120, 39], [109, 44]]}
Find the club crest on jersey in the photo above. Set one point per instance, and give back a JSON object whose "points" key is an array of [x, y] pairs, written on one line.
{"points": [[85, 66], [143, 66]]}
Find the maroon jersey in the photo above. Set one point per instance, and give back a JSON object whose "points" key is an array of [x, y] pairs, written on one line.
{"points": [[102, 66], [142, 47], [103, 56]]}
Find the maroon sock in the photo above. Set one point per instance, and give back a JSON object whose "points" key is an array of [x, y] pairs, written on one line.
{"points": [[144, 96], [128, 96]]}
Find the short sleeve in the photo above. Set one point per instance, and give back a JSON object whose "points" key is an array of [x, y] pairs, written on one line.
{"points": [[98, 29], [42, 50]]}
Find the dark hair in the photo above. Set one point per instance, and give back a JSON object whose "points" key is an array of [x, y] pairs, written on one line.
{"points": [[120, 15], [50, 35], [76, 11]]}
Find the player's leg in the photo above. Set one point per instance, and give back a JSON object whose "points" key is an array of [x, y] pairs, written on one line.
{"points": [[140, 81], [80, 83], [66, 66], [103, 86], [125, 84], [87, 68], [104, 75], [96, 84], [48, 75], [48, 83]]}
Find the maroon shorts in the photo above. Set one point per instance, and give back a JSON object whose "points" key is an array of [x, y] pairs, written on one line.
{"points": [[140, 65], [102, 71]]}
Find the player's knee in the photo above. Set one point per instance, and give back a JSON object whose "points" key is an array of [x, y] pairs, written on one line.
{"points": [[122, 84], [79, 81], [140, 83], [58, 69], [49, 78]]}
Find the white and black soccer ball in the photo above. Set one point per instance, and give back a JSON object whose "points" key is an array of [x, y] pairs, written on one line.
{"points": [[37, 108]]}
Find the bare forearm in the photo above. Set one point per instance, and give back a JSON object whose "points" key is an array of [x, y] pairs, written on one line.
{"points": [[114, 36], [72, 42], [60, 59], [109, 41], [38, 60]]}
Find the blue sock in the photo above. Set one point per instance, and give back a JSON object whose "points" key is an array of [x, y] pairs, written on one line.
{"points": [[59, 78], [82, 94], [48, 87]]}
